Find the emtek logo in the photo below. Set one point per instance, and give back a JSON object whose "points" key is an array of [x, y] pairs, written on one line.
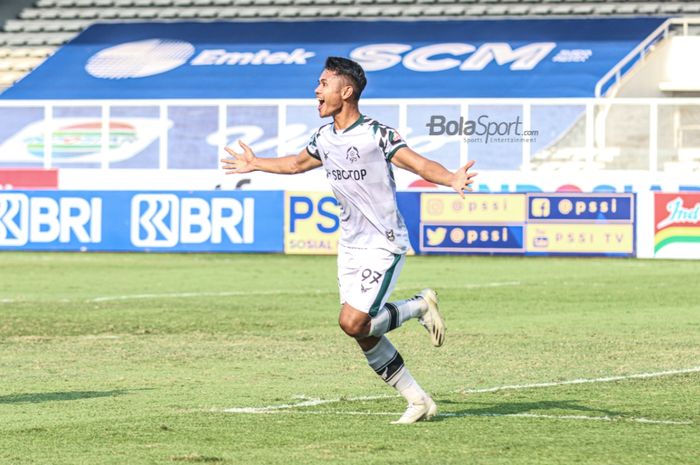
{"points": [[149, 57], [164, 220], [139, 59], [436, 57], [25, 219]]}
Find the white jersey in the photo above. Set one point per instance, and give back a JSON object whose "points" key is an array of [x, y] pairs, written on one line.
{"points": [[357, 161]]}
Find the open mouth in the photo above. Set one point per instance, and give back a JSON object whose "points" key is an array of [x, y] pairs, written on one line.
{"points": [[320, 104]]}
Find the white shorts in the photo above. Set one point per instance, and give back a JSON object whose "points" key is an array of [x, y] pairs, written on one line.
{"points": [[366, 277]]}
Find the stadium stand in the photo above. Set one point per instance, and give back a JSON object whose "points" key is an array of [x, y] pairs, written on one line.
{"points": [[621, 133], [43, 25]]}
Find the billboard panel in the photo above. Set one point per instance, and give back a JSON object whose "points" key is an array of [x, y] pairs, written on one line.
{"points": [[28, 178], [142, 221], [283, 59], [677, 225], [478, 223], [581, 224], [311, 223], [530, 224], [580, 239]]}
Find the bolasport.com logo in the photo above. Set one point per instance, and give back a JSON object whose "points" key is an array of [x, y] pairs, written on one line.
{"points": [[483, 129]]}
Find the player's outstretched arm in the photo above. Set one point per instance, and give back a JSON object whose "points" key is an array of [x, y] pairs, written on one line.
{"points": [[432, 171], [246, 162]]}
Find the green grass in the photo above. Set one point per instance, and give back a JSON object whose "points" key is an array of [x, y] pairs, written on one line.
{"points": [[144, 380]]}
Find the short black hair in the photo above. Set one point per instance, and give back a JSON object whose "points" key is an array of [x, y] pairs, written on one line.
{"points": [[349, 69]]}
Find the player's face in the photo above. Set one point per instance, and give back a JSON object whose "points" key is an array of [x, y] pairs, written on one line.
{"points": [[329, 93]]}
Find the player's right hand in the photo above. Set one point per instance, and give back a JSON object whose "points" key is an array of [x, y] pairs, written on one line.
{"points": [[239, 162]]}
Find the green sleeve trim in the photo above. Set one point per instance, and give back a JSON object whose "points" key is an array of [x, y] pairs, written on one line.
{"points": [[393, 152], [313, 154]]}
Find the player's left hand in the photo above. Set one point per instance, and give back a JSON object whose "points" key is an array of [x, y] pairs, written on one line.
{"points": [[462, 178]]}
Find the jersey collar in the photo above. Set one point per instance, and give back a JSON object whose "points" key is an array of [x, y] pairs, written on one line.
{"points": [[352, 126]]}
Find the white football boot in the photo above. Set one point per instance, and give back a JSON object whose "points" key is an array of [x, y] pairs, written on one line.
{"points": [[432, 320], [418, 412]]}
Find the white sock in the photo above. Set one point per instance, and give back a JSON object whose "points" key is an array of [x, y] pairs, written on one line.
{"points": [[393, 314], [409, 388], [386, 361]]}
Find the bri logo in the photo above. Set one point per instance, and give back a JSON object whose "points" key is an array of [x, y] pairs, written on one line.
{"points": [[25, 219], [165, 220]]}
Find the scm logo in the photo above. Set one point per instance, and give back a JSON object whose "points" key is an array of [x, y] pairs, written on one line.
{"points": [[435, 57], [25, 219], [164, 220]]}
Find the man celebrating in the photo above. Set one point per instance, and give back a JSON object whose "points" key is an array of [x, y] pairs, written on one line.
{"points": [[357, 153]]}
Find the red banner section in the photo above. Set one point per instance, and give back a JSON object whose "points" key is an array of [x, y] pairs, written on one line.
{"points": [[28, 178]]}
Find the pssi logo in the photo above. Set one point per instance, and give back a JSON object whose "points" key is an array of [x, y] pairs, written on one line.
{"points": [[302, 208], [164, 220], [312, 222], [25, 219]]}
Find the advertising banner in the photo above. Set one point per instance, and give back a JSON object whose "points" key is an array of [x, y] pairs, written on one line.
{"points": [[311, 223], [677, 225], [226, 59], [142, 221], [580, 238], [28, 178], [479, 223], [530, 224], [581, 224]]}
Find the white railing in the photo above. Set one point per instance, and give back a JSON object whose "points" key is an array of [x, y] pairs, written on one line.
{"points": [[569, 134], [640, 52]]}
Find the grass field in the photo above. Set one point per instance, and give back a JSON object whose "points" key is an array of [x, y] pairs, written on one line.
{"points": [[135, 359]]}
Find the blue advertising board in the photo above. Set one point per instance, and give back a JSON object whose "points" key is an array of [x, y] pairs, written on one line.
{"points": [[581, 224], [473, 238], [142, 221], [403, 59], [529, 224], [275, 221], [587, 208]]}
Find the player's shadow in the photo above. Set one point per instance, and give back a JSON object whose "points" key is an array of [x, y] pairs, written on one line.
{"points": [[40, 397], [545, 407]]}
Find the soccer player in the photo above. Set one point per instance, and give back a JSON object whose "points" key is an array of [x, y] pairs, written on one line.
{"points": [[357, 153]]}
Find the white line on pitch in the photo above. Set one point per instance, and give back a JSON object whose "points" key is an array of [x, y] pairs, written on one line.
{"points": [[275, 292], [461, 415], [305, 403], [606, 379], [309, 402]]}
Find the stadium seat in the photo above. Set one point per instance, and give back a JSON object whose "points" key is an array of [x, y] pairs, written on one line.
{"points": [[169, 13], [289, 12], [582, 9], [10, 77], [147, 13], [475, 10], [30, 13], [454, 10], [53, 22], [413, 10]]}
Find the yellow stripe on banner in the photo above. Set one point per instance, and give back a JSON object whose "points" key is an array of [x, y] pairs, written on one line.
{"points": [[474, 208], [580, 238], [676, 231]]}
